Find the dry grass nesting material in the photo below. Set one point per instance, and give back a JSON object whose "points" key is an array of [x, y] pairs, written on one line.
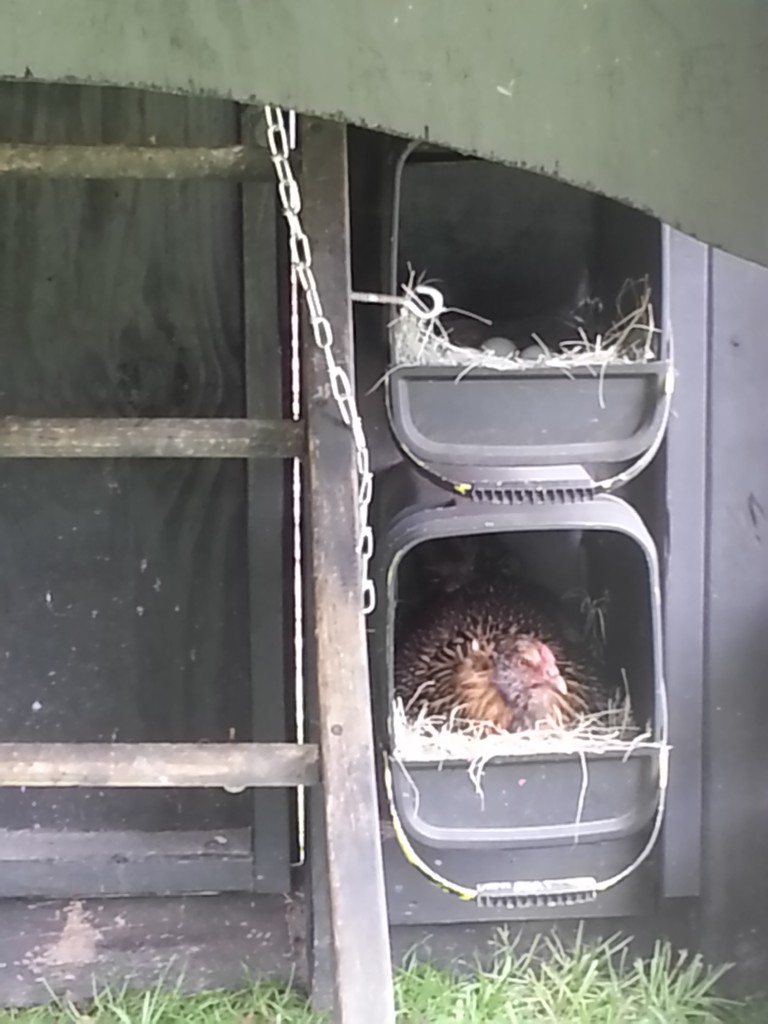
{"points": [[450, 739], [631, 338], [440, 739]]}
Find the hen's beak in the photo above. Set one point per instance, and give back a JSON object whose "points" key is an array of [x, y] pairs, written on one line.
{"points": [[560, 684]]}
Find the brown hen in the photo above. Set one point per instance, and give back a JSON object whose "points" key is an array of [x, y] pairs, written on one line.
{"points": [[503, 654]]}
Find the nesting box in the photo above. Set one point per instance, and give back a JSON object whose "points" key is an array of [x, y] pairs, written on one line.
{"points": [[583, 810], [565, 282]]}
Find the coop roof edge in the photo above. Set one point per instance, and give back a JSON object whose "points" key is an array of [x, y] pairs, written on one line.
{"points": [[506, 80]]}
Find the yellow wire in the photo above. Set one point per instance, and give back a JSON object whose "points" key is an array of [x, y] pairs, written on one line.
{"points": [[465, 893], [410, 854]]}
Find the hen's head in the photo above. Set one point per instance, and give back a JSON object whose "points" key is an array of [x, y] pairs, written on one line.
{"points": [[515, 684], [526, 673]]}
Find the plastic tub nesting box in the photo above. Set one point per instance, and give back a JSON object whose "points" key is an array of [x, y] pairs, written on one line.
{"points": [[544, 815], [526, 454], [479, 228]]}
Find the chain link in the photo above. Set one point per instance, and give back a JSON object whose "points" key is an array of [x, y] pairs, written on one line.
{"points": [[280, 140]]}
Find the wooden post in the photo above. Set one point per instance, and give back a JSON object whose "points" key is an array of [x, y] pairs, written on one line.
{"points": [[359, 927]]}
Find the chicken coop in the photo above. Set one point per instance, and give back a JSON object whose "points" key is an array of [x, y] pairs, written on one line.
{"points": [[313, 326]]}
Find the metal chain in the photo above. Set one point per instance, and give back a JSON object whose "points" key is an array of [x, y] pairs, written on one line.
{"points": [[341, 386]]}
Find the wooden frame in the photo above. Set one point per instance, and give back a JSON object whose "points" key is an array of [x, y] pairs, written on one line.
{"points": [[263, 439]]}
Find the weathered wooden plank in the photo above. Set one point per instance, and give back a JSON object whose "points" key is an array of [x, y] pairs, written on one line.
{"points": [[161, 438], [168, 163], [73, 948], [53, 844], [269, 536], [357, 898], [122, 299], [158, 765], [114, 302], [52, 864]]}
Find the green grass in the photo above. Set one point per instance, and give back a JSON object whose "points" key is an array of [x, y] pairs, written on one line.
{"points": [[265, 1004], [586, 983]]}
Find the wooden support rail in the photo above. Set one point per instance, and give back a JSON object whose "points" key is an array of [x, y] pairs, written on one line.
{"points": [[169, 163], [150, 438], [158, 765], [352, 857]]}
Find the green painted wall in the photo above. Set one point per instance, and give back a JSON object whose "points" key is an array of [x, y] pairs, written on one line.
{"points": [[662, 103]]}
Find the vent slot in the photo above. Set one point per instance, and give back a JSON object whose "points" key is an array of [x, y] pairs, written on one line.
{"points": [[532, 496]]}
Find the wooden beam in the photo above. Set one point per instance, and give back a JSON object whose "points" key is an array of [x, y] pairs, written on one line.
{"points": [[167, 163], [360, 935], [149, 438], [157, 765], [52, 863]]}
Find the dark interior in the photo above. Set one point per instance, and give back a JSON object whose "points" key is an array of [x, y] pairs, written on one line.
{"points": [[506, 243], [573, 565]]}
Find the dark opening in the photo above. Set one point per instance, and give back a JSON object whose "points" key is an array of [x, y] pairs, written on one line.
{"points": [[509, 244]]}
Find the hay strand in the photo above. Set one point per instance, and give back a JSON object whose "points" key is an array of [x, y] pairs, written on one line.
{"points": [[440, 740], [631, 338]]}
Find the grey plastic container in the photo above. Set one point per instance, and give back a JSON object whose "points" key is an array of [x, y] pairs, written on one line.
{"points": [[478, 428], [531, 802]]}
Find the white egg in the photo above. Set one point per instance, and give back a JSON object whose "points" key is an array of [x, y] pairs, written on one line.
{"points": [[499, 346]]}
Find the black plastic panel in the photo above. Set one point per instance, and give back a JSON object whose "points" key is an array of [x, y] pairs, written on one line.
{"points": [[735, 836], [687, 295], [416, 900]]}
